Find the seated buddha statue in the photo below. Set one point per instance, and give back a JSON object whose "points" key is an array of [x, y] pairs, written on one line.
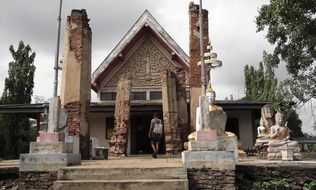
{"points": [[280, 140], [210, 93], [263, 136]]}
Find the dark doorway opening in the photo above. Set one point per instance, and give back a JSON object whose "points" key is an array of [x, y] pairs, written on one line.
{"points": [[232, 125], [140, 143]]}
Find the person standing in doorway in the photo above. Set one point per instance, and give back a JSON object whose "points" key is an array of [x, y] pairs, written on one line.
{"points": [[155, 134]]}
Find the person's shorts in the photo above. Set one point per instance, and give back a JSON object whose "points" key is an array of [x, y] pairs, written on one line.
{"points": [[156, 138]]}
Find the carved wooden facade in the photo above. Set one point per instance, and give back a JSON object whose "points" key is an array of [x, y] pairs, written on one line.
{"points": [[143, 67], [142, 56]]}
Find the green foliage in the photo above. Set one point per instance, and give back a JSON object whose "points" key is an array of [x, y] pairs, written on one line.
{"points": [[261, 84], [15, 129], [311, 147], [294, 124], [19, 84], [291, 26], [274, 184], [310, 185], [284, 183]]}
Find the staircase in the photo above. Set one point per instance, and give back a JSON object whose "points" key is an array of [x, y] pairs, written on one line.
{"points": [[131, 174]]}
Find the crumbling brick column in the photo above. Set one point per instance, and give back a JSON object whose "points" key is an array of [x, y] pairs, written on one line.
{"points": [[119, 139], [170, 113], [76, 77], [182, 107], [194, 50]]}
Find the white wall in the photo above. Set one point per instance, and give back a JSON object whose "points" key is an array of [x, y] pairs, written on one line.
{"points": [[97, 126], [245, 126]]}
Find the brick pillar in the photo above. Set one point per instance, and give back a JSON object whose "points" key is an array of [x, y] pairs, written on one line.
{"points": [[119, 140], [183, 121], [76, 77], [194, 50], [170, 113]]}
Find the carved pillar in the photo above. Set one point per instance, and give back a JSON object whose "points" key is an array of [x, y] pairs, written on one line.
{"points": [[194, 50], [76, 77], [182, 106], [122, 111], [170, 113]]}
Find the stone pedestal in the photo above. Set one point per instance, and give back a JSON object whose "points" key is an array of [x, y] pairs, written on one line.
{"points": [[290, 151], [51, 152], [212, 154], [47, 162], [209, 135], [287, 154], [51, 137], [206, 160], [217, 160]]}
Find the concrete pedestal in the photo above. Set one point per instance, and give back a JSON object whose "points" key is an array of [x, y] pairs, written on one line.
{"points": [[51, 137], [209, 135], [50, 147], [50, 154], [47, 162], [217, 160], [287, 154], [207, 145]]}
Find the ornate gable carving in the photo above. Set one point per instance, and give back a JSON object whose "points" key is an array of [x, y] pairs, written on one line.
{"points": [[144, 66]]}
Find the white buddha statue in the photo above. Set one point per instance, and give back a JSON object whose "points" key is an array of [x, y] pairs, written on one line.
{"points": [[210, 93], [280, 140], [262, 131]]}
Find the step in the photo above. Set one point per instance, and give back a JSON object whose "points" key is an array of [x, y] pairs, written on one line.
{"points": [[141, 184], [122, 173]]}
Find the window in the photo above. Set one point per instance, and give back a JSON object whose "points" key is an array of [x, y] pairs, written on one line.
{"points": [[138, 96], [109, 127], [108, 95], [155, 95]]}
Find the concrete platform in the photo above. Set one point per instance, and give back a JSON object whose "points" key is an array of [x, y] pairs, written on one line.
{"points": [[50, 147], [47, 162], [127, 173], [144, 184], [219, 160], [140, 172]]}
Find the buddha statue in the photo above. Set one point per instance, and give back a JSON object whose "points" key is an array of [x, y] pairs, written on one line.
{"points": [[263, 136], [211, 95], [262, 131], [280, 140]]}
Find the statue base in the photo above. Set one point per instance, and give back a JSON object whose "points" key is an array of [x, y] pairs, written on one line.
{"points": [[216, 160], [49, 154], [218, 153]]}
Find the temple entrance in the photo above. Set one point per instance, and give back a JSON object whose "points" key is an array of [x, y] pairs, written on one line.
{"points": [[140, 144]]}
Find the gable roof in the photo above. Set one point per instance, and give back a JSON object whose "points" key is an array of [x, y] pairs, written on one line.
{"points": [[146, 23]]}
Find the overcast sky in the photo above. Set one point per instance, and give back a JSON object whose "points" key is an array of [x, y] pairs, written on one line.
{"points": [[231, 28]]}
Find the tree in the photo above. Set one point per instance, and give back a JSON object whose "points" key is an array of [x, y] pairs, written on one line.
{"points": [[294, 124], [291, 26], [262, 85], [18, 89]]}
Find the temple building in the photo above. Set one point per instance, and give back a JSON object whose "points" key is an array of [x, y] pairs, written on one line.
{"points": [[163, 79], [146, 72]]}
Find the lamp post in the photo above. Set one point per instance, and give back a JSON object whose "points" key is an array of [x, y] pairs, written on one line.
{"points": [[211, 60], [56, 67], [203, 81]]}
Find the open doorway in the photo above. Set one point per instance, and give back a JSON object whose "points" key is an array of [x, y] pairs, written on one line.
{"points": [[140, 143]]}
